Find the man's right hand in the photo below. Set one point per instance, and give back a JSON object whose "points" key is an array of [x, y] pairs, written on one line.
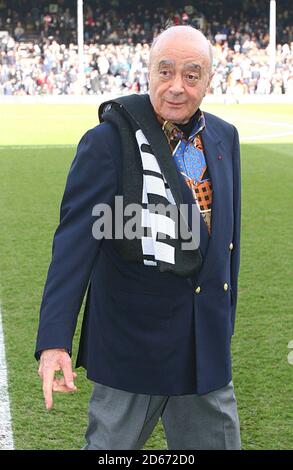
{"points": [[51, 361]]}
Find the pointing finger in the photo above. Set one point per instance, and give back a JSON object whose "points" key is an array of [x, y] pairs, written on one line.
{"points": [[48, 377]]}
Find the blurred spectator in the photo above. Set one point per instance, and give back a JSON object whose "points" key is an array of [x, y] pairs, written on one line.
{"points": [[18, 31]]}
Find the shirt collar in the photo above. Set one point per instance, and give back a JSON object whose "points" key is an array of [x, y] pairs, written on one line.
{"points": [[174, 133]]}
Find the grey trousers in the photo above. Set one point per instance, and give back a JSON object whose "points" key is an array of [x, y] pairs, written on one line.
{"points": [[120, 420]]}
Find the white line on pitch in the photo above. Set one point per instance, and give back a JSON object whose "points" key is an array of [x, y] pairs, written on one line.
{"points": [[6, 435], [266, 123], [265, 136]]}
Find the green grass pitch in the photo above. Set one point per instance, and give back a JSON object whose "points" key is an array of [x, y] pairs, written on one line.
{"points": [[37, 145]]}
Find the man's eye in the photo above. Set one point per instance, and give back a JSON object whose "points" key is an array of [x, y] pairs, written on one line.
{"points": [[164, 73], [192, 78]]}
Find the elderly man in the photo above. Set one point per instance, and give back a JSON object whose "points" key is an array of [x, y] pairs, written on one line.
{"points": [[159, 317]]}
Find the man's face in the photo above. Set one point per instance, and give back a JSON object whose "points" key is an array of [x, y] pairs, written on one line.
{"points": [[179, 75]]}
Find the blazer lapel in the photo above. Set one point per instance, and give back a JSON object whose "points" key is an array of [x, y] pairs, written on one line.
{"points": [[212, 149], [212, 153]]}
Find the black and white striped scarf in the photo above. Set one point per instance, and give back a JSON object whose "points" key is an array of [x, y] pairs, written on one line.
{"points": [[150, 180]]}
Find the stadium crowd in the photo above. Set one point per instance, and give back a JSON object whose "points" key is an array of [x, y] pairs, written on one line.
{"points": [[38, 51]]}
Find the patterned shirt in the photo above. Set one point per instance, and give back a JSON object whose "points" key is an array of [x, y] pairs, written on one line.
{"points": [[190, 160]]}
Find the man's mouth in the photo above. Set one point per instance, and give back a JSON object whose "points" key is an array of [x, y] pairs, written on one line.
{"points": [[177, 105]]}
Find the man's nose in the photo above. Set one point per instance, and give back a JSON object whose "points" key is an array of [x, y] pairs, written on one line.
{"points": [[177, 85]]}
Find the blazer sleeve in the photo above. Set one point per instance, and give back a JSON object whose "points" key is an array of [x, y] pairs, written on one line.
{"points": [[92, 179], [235, 255]]}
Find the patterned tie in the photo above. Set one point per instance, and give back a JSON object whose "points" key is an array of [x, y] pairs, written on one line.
{"points": [[190, 160]]}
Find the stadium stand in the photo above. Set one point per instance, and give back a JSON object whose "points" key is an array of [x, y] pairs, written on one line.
{"points": [[38, 51]]}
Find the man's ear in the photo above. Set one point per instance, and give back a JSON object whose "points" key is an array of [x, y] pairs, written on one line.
{"points": [[209, 82], [211, 77]]}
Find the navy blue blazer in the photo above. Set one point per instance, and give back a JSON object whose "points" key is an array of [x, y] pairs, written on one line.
{"points": [[144, 331]]}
